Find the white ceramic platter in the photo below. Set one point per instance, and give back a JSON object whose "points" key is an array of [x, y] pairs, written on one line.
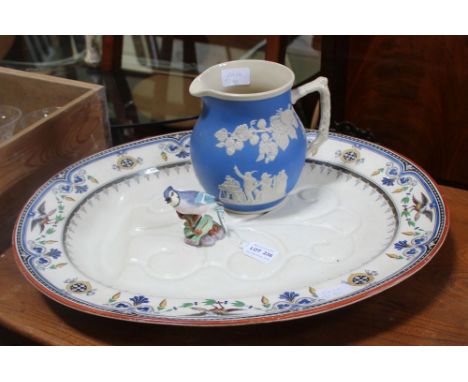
{"points": [[99, 237]]}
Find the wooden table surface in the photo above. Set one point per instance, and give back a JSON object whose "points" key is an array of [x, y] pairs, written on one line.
{"points": [[430, 308]]}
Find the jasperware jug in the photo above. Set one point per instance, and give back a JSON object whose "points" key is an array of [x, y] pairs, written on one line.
{"points": [[248, 147]]}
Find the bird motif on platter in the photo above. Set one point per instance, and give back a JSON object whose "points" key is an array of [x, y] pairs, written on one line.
{"points": [[43, 217], [422, 207], [215, 310]]}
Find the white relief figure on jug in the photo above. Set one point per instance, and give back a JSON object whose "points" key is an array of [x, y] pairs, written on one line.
{"points": [[269, 137], [252, 190]]}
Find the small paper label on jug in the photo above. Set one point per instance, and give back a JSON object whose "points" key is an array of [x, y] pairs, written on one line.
{"points": [[259, 252], [235, 77]]}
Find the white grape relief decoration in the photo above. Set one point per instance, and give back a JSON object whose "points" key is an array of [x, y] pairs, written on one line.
{"points": [[248, 188], [269, 137]]}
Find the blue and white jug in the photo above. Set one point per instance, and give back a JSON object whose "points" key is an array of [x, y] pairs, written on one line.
{"points": [[249, 146]]}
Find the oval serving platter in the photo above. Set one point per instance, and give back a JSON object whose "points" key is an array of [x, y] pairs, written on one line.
{"points": [[98, 237]]}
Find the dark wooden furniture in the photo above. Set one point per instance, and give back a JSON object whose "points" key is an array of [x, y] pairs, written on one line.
{"points": [[112, 47], [275, 49], [411, 92], [430, 308]]}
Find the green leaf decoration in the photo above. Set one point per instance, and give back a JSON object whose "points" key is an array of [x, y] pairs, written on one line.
{"points": [[405, 200], [115, 297], [209, 301], [405, 213], [313, 292], [411, 223], [50, 231], [186, 305], [238, 304], [162, 304], [92, 179], [393, 256], [57, 266]]}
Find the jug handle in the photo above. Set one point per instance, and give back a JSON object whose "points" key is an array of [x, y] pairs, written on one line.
{"points": [[319, 85]]}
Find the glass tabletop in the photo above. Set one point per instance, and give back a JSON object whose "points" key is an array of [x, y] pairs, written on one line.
{"points": [[150, 89]]}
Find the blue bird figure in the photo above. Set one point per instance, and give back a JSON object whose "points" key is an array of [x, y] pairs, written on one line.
{"points": [[199, 229], [189, 202]]}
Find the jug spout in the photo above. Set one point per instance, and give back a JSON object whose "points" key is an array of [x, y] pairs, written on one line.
{"points": [[198, 88], [243, 80]]}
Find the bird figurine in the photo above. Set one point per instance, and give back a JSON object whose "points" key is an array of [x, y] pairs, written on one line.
{"points": [[189, 202], [200, 229], [43, 218], [421, 207]]}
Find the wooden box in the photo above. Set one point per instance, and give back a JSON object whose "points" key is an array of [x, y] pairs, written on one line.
{"points": [[79, 128]]}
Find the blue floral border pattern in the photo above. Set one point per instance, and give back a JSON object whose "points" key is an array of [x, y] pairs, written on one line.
{"points": [[414, 208], [179, 149], [288, 301], [41, 249]]}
